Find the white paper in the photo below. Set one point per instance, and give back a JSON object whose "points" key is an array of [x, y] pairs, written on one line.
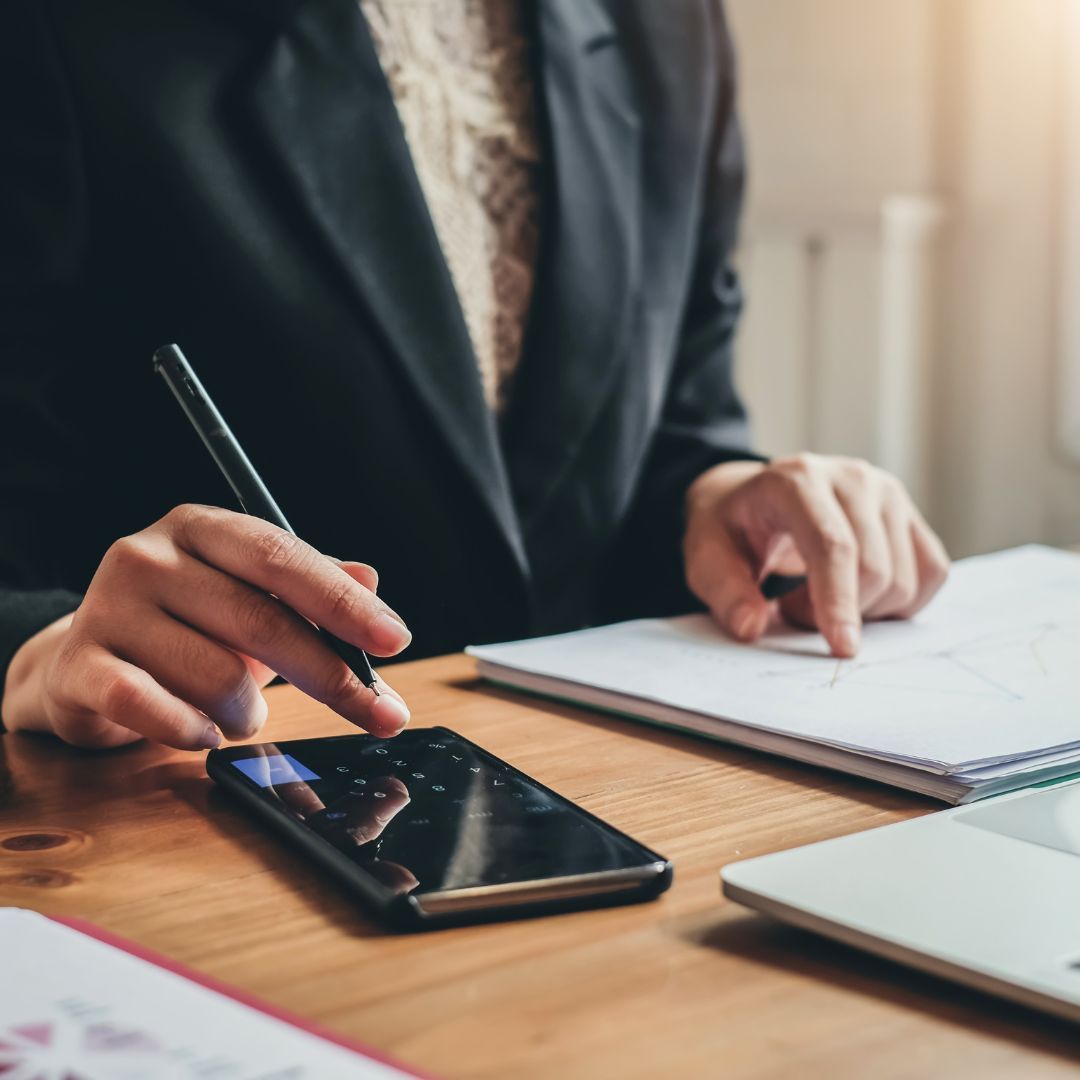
{"points": [[72, 1006], [988, 674]]}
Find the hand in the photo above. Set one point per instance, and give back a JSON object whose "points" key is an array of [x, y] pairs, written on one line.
{"points": [[358, 818], [851, 528], [181, 627]]}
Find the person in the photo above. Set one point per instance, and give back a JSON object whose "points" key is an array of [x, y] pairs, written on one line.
{"points": [[459, 273]]}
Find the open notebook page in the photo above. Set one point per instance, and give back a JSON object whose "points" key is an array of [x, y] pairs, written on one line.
{"points": [[989, 673]]}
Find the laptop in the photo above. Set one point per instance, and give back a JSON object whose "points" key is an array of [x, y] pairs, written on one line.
{"points": [[988, 895]]}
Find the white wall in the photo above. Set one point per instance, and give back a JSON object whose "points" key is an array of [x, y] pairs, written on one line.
{"points": [[838, 98], [937, 351]]}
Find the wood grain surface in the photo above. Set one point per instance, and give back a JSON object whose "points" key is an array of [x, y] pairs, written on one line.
{"points": [[139, 842]]}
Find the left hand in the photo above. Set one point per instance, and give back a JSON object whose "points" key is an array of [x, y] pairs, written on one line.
{"points": [[849, 527]]}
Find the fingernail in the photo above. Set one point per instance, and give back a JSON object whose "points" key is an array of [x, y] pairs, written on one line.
{"points": [[388, 714], [390, 632], [848, 639], [211, 739], [744, 621]]}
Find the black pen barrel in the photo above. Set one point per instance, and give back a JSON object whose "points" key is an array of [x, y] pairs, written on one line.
{"points": [[236, 467], [217, 437]]}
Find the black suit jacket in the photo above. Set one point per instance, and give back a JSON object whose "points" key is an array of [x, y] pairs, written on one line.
{"points": [[231, 175]]}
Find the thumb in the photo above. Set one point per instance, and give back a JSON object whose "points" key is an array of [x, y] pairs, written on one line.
{"points": [[723, 577]]}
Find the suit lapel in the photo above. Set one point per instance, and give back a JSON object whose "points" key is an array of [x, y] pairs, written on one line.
{"points": [[589, 271], [275, 11], [321, 102]]}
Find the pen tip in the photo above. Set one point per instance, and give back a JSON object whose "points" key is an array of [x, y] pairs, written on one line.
{"points": [[375, 690]]}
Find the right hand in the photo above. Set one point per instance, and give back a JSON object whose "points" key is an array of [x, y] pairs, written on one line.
{"points": [[181, 627], [351, 819]]}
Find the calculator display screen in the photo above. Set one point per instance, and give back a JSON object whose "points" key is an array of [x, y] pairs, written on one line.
{"points": [[427, 811]]}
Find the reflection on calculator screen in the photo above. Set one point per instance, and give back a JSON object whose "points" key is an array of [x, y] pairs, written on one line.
{"points": [[426, 811]]}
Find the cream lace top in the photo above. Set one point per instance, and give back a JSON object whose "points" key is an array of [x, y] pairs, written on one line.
{"points": [[459, 73]]}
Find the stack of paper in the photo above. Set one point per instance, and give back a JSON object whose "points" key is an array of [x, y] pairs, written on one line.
{"points": [[977, 695]]}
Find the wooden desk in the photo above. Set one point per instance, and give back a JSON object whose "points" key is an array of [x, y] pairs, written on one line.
{"points": [[138, 842]]}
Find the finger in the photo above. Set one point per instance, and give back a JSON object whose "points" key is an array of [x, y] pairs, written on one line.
{"points": [[782, 557], [395, 798], [824, 537], [300, 798], [723, 577], [388, 715], [249, 621], [91, 732], [257, 763], [798, 609], [124, 694], [275, 561], [389, 711], [876, 563], [386, 689], [258, 758], [904, 586], [188, 664], [932, 562], [262, 675], [361, 573], [295, 794], [397, 878], [380, 804], [80, 727]]}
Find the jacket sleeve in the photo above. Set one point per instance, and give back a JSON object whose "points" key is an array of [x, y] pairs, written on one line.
{"points": [[703, 421], [42, 238]]}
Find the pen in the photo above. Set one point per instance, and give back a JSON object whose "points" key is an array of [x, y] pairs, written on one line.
{"points": [[776, 585], [256, 500]]}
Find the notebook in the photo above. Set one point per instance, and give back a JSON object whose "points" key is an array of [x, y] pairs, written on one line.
{"points": [[979, 694], [77, 1002]]}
